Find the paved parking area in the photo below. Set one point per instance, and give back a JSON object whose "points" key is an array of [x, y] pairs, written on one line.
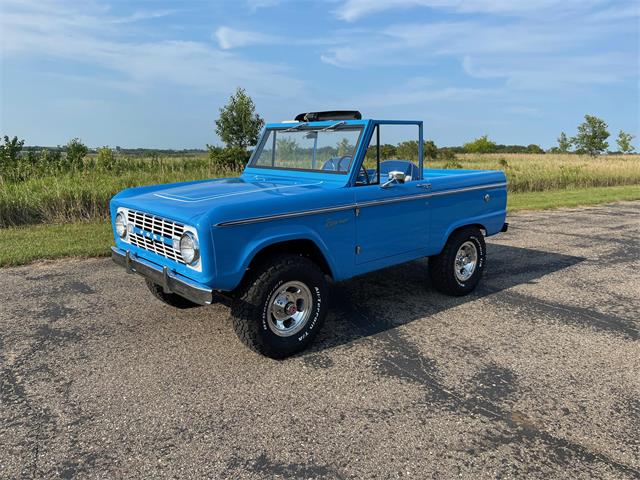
{"points": [[535, 375]]}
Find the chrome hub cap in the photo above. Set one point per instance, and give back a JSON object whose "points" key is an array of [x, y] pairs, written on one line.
{"points": [[289, 309], [466, 261]]}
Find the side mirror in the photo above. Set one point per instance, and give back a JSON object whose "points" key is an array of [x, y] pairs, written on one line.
{"points": [[395, 176]]}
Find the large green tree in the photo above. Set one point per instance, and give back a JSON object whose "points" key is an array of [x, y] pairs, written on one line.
{"points": [[239, 125], [592, 136], [624, 142]]}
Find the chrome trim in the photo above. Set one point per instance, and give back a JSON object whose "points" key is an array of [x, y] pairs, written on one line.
{"points": [[197, 293], [301, 213], [123, 220], [469, 189], [290, 308], [357, 205], [196, 248], [385, 201]]}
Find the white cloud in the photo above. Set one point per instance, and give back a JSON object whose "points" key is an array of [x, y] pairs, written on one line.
{"points": [[543, 73], [520, 53], [352, 10], [231, 38], [257, 4], [98, 39]]}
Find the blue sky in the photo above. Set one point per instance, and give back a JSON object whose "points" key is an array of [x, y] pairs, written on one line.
{"points": [[154, 73]]}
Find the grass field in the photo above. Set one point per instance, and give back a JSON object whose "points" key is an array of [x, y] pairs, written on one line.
{"points": [[20, 245], [84, 195], [39, 215]]}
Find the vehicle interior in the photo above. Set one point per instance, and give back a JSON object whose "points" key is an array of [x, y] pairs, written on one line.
{"points": [[367, 176]]}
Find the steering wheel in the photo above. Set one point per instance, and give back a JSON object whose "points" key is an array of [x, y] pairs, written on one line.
{"points": [[342, 159], [366, 174], [335, 164]]}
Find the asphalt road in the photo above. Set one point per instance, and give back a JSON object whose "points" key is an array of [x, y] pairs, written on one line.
{"points": [[537, 374]]}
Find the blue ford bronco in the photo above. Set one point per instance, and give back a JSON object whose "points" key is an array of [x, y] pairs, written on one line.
{"points": [[319, 201]]}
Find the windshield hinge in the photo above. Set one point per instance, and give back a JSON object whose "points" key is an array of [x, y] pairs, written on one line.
{"points": [[296, 127], [358, 249], [331, 127], [357, 211]]}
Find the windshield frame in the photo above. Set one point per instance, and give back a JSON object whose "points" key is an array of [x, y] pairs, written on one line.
{"points": [[317, 126]]}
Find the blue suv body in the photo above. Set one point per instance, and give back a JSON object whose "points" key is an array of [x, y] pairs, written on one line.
{"points": [[317, 194]]}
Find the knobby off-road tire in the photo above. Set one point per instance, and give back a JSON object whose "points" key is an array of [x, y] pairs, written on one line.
{"points": [[285, 282], [447, 270], [172, 299]]}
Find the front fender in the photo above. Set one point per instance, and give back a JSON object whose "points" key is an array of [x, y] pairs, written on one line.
{"points": [[234, 261]]}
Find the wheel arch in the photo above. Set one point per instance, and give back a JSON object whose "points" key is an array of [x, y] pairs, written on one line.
{"points": [[303, 246], [479, 226], [456, 228]]}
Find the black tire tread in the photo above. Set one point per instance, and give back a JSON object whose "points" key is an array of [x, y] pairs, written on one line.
{"points": [[439, 265], [247, 302]]}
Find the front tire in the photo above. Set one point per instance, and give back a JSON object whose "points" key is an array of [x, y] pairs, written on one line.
{"points": [[281, 307], [457, 270]]}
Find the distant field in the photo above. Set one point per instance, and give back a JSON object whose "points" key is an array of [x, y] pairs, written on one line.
{"points": [[537, 173], [84, 195]]}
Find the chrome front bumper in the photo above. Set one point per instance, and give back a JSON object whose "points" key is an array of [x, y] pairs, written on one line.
{"points": [[169, 281]]}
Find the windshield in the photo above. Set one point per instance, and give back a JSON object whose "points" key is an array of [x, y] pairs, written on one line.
{"points": [[323, 150]]}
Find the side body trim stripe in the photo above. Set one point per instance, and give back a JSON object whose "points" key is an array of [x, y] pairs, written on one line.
{"points": [[370, 203]]}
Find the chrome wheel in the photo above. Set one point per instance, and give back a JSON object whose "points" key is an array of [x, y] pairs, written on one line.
{"points": [[289, 309], [466, 261]]}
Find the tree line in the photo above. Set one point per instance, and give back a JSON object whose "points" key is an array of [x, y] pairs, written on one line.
{"points": [[239, 126]]}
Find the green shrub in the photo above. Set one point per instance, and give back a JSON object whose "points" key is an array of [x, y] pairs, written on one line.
{"points": [[9, 152], [481, 145], [76, 151], [430, 150], [451, 164], [228, 158], [446, 154], [533, 148]]}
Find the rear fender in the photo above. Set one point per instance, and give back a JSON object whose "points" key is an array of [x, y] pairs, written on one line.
{"points": [[491, 223]]}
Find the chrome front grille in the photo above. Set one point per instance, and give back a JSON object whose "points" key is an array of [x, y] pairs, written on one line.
{"points": [[157, 227]]}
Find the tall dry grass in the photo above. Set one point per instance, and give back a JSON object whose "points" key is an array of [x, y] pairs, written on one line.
{"points": [[536, 173], [85, 194]]}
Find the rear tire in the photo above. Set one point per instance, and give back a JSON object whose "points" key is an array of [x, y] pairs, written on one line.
{"points": [[457, 270], [281, 307], [172, 299]]}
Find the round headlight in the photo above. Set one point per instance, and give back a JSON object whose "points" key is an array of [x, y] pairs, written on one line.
{"points": [[189, 248], [121, 225]]}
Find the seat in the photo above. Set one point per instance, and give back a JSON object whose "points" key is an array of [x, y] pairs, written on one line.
{"points": [[410, 169]]}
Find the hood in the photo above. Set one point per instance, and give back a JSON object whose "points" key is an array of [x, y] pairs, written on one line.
{"points": [[186, 201]]}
